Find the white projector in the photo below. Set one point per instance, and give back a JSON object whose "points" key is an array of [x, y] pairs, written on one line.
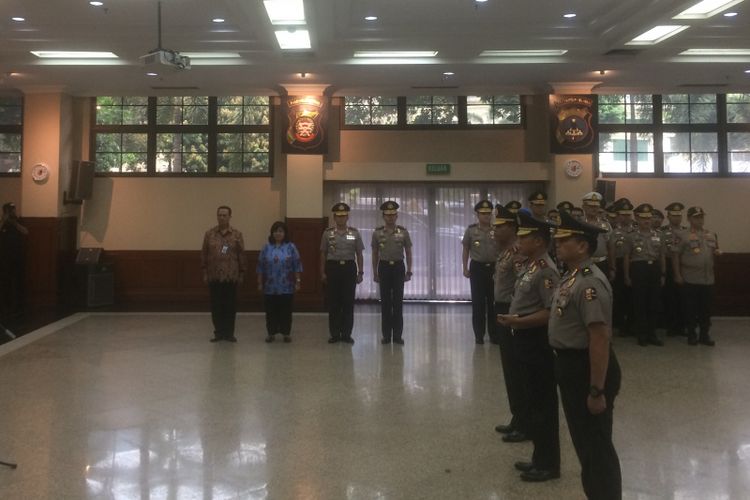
{"points": [[164, 57]]}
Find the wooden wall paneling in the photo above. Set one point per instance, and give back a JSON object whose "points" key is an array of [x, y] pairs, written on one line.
{"points": [[50, 248], [306, 233]]}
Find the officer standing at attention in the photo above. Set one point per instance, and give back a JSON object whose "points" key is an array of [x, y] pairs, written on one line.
{"points": [[645, 272], [513, 206], [693, 263], [672, 300], [604, 255], [510, 265], [389, 245], [565, 206], [587, 371], [528, 317], [538, 205], [339, 247], [622, 311], [479, 244]]}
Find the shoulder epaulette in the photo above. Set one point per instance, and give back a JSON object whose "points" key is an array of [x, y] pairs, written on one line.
{"points": [[586, 271], [473, 225], [542, 263], [401, 227]]}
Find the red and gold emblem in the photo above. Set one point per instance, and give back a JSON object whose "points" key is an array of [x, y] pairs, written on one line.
{"points": [[305, 131]]}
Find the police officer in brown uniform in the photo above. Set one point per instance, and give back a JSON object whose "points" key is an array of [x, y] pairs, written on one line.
{"points": [[341, 270], [587, 371], [390, 244], [622, 311], [510, 265], [479, 246], [693, 265], [645, 272], [528, 317], [672, 300], [604, 255]]}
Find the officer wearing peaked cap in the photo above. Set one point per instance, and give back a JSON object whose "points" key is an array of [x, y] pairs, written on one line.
{"points": [[528, 317], [391, 243], [644, 268], [693, 263], [479, 246], [538, 205], [341, 269], [672, 301], [513, 206], [588, 374], [622, 311], [565, 206], [604, 256]]}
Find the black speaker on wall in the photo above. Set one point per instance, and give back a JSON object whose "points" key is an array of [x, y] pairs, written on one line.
{"points": [[606, 189], [81, 185]]}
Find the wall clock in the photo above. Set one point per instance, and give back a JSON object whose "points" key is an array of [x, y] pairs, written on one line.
{"points": [[39, 172], [573, 168]]}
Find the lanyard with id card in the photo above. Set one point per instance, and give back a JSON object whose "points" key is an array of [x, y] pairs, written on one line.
{"points": [[224, 249]]}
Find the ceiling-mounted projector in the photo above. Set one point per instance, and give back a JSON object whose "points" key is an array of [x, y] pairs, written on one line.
{"points": [[165, 57]]}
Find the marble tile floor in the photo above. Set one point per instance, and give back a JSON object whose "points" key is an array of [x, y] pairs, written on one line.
{"points": [[142, 406]]}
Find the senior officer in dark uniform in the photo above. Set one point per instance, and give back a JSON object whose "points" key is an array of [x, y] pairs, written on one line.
{"points": [[510, 265], [672, 300], [528, 317], [339, 247], [622, 310], [479, 245], [645, 272], [693, 265], [390, 243], [538, 205], [604, 255], [587, 371]]}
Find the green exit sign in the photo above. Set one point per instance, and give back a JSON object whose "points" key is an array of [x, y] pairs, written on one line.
{"points": [[438, 169]]}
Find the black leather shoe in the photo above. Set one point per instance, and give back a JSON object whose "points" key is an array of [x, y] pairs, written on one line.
{"points": [[524, 466], [269, 339], [231, 339], [706, 341], [287, 338], [539, 475], [398, 341], [333, 340], [655, 341], [515, 437], [504, 429], [385, 341], [215, 339], [348, 340], [480, 342]]}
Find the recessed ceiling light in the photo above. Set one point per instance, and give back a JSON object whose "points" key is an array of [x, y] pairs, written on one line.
{"points": [[18, 19], [371, 18], [96, 3], [569, 15], [715, 52], [480, 1], [293, 39], [285, 12], [706, 9], [72, 54], [448, 73], [395, 53], [523, 53], [217, 20], [747, 71], [730, 14], [151, 73], [657, 34]]}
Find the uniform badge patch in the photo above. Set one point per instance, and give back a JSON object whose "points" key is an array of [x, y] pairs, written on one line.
{"points": [[586, 271], [548, 283], [559, 312], [589, 294]]}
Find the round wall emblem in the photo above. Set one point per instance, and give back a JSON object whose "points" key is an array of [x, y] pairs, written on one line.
{"points": [[573, 168]]}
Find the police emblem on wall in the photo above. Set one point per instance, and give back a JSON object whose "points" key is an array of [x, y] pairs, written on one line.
{"points": [[573, 122], [306, 118]]}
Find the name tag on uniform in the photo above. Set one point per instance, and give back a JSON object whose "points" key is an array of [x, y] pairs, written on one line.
{"points": [[224, 249], [351, 237]]}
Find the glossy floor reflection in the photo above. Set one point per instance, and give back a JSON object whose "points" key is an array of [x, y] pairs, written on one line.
{"points": [[136, 406]]}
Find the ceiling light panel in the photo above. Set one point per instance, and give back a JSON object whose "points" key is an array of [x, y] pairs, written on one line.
{"points": [[293, 40], [706, 9], [715, 52], [657, 34], [523, 53], [285, 12], [72, 54], [212, 55], [391, 54]]}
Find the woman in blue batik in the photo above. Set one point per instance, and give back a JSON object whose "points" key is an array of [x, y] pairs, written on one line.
{"points": [[279, 276]]}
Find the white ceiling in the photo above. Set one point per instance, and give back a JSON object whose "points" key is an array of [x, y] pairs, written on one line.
{"points": [[458, 29]]}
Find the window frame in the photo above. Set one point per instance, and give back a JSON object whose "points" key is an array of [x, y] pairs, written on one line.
{"points": [[211, 129], [17, 130]]}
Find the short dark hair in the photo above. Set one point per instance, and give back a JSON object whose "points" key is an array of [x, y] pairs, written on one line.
{"points": [[226, 207], [592, 240], [276, 225]]}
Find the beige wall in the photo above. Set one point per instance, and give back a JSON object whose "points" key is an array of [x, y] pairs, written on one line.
{"points": [[172, 214], [725, 201], [10, 190], [462, 171]]}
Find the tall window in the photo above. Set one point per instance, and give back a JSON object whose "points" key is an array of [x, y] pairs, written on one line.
{"points": [[436, 216], [626, 142], [493, 110], [11, 133], [183, 135], [738, 135], [432, 110], [370, 110]]}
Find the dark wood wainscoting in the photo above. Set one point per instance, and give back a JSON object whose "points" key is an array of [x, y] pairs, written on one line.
{"points": [[732, 291], [306, 233], [50, 253]]}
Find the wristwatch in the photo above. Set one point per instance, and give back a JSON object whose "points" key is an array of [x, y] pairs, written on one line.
{"points": [[595, 392]]}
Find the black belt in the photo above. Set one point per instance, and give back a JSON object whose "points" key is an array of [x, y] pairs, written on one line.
{"points": [[391, 262], [570, 353], [646, 262], [340, 262], [485, 264]]}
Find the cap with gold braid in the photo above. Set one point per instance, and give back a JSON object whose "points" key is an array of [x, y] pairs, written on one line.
{"points": [[624, 207], [390, 207], [514, 206], [529, 225], [695, 212], [503, 215], [592, 199], [538, 198], [570, 226], [483, 207], [341, 209], [674, 208], [644, 211], [565, 206]]}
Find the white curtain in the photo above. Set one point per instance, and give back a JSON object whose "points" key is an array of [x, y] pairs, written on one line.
{"points": [[436, 216]]}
